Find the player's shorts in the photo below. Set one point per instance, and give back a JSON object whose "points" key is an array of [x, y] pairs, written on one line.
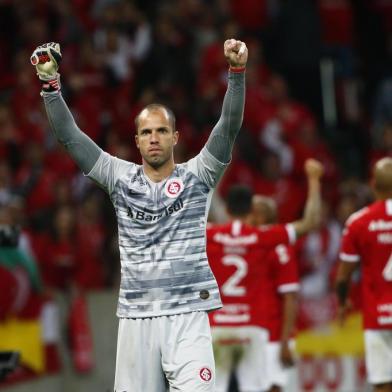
{"points": [[277, 374], [378, 350], [242, 350], [167, 350]]}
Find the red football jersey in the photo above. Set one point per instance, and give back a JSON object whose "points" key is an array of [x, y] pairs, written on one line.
{"points": [[283, 272], [368, 237], [236, 253]]}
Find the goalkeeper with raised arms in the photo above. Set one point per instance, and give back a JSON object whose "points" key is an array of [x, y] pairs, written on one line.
{"points": [[167, 286]]}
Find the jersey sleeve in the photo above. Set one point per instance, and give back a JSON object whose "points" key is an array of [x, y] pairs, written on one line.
{"points": [[286, 265], [349, 249], [207, 168], [107, 170]]}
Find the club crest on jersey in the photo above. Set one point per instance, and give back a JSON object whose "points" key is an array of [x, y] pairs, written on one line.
{"points": [[205, 374], [174, 187]]}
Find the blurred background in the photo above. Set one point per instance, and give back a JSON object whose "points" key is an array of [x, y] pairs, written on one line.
{"points": [[319, 84]]}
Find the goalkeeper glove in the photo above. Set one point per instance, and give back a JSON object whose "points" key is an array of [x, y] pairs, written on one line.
{"points": [[46, 59]]}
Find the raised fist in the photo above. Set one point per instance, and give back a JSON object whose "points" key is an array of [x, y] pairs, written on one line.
{"points": [[313, 168], [46, 59], [236, 53]]}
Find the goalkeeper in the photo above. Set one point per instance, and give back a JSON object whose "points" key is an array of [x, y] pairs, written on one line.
{"points": [[167, 286]]}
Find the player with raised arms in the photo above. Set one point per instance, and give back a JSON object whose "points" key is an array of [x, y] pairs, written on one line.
{"points": [[167, 286], [239, 258]]}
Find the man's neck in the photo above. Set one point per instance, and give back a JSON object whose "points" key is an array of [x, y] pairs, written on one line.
{"points": [[241, 218], [160, 173], [383, 195]]}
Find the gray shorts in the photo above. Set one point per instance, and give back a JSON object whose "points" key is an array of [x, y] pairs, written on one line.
{"points": [[166, 350]]}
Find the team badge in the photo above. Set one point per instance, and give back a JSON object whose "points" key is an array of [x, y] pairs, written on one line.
{"points": [[174, 187], [205, 374]]}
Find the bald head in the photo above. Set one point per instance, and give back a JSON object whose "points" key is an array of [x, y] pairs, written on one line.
{"points": [[264, 210], [382, 178], [156, 107]]}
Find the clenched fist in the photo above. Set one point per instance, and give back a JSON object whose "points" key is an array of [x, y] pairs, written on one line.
{"points": [[236, 53], [46, 59], [313, 168]]}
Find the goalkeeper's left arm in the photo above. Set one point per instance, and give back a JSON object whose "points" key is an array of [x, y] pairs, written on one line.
{"points": [[83, 150], [221, 140]]}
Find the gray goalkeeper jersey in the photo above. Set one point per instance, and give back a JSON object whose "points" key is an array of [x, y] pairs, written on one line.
{"points": [[164, 268], [161, 233]]}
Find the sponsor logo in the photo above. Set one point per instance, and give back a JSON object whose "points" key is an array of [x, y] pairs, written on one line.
{"points": [[385, 308], [134, 192], [228, 240], [174, 187], [144, 216], [385, 320], [232, 313], [139, 179], [384, 238], [205, 374], [380, 225]]}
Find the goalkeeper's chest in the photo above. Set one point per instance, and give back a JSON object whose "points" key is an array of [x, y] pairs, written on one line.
{"points": [[146, 203], [140, 202]]}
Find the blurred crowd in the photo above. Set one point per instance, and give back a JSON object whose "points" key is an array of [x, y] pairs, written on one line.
{"points": [[119, 55]]}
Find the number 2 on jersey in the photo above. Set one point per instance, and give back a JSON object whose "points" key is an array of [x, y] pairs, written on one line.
{"points": [[232, 287], [387, 271]]}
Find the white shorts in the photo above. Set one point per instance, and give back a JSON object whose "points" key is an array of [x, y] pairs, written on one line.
{"points": [[378, 349], [166, 350], [242, 350], [277, 374]]}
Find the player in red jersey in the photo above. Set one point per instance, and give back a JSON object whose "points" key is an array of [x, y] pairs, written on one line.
{"points": [[282, 281], [367, 237], [236, 252]]}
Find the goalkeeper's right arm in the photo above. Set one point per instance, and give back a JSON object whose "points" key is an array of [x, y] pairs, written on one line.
{"points": [[82, 149]]}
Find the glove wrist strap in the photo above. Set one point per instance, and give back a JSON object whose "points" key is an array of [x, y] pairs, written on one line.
{"points": [[237, 69], [50, 86]]}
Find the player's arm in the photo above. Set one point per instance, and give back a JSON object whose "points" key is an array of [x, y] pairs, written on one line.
{"points": [[221, 140], [287, 284], [312, 213], [349, 261], [342, 288], [289, 316], [83, 150]]}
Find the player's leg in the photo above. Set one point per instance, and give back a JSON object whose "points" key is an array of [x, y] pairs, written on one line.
{"points": [[273, 366], [138, 360], [278, 375], [222, 341], [378, 349], [186, 348], [251, 370]]}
